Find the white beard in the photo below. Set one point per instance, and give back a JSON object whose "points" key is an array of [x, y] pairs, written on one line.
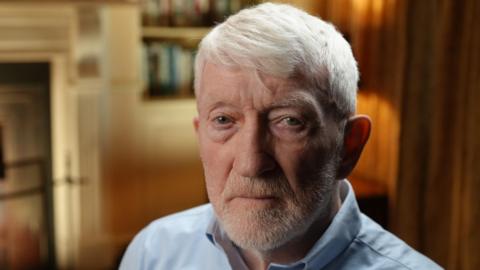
{"points": [[268, 228]]}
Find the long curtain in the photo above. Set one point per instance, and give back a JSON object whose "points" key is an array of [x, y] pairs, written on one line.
{"points": [[438, 185]]}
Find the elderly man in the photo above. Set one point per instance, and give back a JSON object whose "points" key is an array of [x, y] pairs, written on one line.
{"points": [[276, 94]]}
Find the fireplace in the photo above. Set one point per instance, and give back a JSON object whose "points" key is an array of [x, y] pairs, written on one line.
{"points": [[26, 205]]}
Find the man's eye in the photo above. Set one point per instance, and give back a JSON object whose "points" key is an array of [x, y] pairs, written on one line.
{"points": [[222, 120], [291, 121]]}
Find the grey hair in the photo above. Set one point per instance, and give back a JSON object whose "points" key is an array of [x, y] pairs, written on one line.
{"points": [[283, 41]]}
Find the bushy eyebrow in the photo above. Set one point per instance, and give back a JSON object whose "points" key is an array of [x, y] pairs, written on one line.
{"points": [[305, 102], [299, 100], [218, 104]]}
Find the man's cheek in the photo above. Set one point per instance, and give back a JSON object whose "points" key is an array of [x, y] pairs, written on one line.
{"points": [[215, 174]]}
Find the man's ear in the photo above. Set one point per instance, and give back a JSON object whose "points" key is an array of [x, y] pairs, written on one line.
{"points": [[357, 131]]}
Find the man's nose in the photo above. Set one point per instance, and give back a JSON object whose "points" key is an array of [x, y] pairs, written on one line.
{"points": [[252, 157]]}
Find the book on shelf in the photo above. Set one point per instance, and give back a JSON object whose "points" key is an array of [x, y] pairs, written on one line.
{"points": [[167, 69], [189, 12]]}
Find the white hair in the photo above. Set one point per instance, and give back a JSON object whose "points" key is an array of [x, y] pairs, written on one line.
{"points": [[283, 41]]}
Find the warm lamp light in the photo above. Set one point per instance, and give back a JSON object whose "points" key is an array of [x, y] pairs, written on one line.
{"points": [[378, 163], [368, 12]]}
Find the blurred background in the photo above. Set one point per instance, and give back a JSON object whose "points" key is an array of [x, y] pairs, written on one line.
{"points": [[96, 136]]}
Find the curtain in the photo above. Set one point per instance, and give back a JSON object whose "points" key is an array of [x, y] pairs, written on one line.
{"points": [[438, 185]]}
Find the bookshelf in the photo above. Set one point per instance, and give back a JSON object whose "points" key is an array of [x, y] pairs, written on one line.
{"points": [[171, 31], [168, 55]]}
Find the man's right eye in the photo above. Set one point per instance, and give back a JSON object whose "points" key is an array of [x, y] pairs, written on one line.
{"points": [[222, 121], [221, 127]]}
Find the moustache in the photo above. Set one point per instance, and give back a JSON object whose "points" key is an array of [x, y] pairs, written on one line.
{"points": [[257, 187]]}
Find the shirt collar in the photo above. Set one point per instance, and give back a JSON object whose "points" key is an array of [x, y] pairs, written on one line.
{"points": [[340, 233], [219, 238]]}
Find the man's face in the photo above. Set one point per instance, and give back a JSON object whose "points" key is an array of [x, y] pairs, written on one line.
{"points": [[269, 154]]}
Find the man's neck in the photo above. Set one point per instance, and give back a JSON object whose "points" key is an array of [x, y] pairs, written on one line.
{"points": [[295, 249]]}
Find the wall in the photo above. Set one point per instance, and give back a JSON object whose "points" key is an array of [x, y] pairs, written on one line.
{"points": [[149, 159]]}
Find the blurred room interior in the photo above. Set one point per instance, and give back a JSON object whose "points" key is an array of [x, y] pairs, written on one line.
{"points": [[96, 134]]}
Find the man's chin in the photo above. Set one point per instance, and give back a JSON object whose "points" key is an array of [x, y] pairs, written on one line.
{"points": [[258, 228]]}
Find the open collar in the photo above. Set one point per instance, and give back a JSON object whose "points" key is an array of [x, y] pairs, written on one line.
{"points": [[343, 229]]}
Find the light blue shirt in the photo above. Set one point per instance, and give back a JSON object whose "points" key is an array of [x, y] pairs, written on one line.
{"points": [[193, 239]]}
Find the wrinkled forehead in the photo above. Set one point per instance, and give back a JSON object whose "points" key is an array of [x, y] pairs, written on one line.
{"points": [[234, 85], [213, 74]]}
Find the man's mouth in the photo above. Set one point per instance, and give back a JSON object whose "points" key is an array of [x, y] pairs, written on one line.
{"points": [[255, 200], [257, 197]]}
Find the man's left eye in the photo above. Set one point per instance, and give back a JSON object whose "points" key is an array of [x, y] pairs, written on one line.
{"points": [[292, 121], [222, 120]]}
